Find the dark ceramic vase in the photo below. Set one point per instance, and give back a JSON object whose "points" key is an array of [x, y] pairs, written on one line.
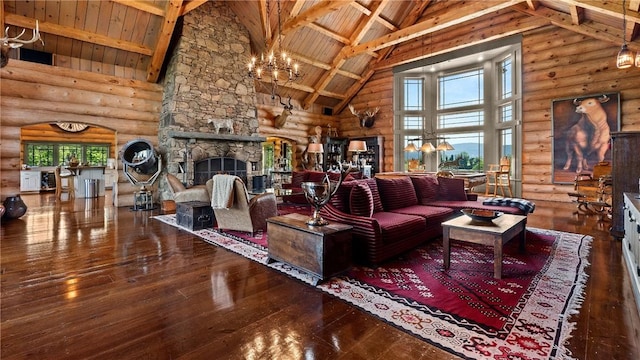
{"points": [[14, 207]]}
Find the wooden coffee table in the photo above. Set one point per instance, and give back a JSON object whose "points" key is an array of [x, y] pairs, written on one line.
{"points": [[323, 251], [496, 233]]}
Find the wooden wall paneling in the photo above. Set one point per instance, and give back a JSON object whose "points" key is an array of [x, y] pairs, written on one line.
{"points": [[558, 63], [96, 99]]}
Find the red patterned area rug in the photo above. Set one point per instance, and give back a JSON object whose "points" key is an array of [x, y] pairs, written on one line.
{"points": [[464, 310]]}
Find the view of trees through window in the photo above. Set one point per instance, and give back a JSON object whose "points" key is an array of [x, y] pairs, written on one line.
{"points": [[54, 154]]}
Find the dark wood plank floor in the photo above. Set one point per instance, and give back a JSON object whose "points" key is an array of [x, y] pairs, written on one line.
{"points": [[81, 280]]}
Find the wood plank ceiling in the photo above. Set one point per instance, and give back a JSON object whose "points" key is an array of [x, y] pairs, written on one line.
{"points": [[339, 44]]}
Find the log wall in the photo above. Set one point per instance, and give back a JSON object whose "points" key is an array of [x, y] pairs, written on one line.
{"points": [[557, 63], [40, 94]]}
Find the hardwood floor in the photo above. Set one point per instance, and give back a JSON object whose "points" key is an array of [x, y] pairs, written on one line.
{"points": [[81, 280]]}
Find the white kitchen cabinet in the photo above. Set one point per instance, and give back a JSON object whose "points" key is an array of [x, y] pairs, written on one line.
{"points": [[631, 241], [30, 180]]}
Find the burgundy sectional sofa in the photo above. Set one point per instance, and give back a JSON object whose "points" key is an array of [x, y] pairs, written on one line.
{"points": [[392, 215]]}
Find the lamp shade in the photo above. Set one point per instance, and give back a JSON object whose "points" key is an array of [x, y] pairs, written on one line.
{"points": [[444, 146], [357, 146], [315, 148], [411, 147], [427, 147], [625, 58]]}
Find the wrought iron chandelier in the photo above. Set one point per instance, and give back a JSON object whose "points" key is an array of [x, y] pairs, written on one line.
{"points": [[272, 68]]}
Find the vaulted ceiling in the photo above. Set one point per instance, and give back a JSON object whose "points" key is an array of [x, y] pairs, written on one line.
{"points": [[339, 44]]}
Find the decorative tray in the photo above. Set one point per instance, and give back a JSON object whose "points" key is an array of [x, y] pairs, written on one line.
{"points": [[481, 215]]}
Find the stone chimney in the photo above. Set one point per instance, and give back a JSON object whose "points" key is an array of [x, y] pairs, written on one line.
{"points": [[206, 82]]}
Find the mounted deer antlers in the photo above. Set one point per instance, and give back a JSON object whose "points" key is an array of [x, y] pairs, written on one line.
{"points": [[7, 43], [368, 118], [281, 119]]}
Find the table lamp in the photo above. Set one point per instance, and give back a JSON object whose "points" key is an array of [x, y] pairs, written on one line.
{"points": [[356, 147], [317, 149]]}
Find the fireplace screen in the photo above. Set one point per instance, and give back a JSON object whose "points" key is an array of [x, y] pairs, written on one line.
{"points": [[206, 168]]}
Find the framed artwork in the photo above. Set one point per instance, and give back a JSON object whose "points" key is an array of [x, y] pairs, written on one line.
{"points": [[581, 133]]}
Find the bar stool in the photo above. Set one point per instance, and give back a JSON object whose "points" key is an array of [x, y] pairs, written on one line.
{"points": [[69, 188]]}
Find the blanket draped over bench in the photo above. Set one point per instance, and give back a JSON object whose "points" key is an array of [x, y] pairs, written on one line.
{"points": [[525, 205]]}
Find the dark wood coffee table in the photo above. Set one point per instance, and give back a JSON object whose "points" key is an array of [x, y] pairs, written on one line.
{"points": [[322, 251], [495, 233]]}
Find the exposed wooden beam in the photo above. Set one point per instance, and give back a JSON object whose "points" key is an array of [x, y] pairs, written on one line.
{"points": [[358, 33], [591, 29], [168, 25], [191, 5], [410, 19], [329, 33], [577, 14], [451, 18], [145, 6], [363, 9], [312, 14], [69, 32]]}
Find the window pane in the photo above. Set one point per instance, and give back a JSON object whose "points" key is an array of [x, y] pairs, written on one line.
{"points": [[461, 89], [413, 94], [411, 156], [39, 155], [468, 150], [506, 148], [412, 123], [67, 151], [96, 155], [505, 78], [505, 113], [470, 118]]}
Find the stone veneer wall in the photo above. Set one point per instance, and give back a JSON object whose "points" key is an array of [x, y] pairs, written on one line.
{"points": [[206, 79]]}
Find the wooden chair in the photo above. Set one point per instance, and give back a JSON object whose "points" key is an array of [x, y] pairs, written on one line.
{"points": [[69, 188], [593, 191], [499, 176]]}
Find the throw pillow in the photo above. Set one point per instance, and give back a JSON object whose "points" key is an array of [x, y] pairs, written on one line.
{"points": [[377, 201], [451, 189], [361, 200], [426, 188], [397, 193]]}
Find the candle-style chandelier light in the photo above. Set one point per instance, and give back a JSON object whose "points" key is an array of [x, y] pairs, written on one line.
{"points": [[274, 68]]}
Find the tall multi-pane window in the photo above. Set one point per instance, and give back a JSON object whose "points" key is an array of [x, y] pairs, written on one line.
{"points": [[474, 106]]}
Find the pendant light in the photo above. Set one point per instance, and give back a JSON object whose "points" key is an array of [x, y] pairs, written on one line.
{"points": [[625, 56]]}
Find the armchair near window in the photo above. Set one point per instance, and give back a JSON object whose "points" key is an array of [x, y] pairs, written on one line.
{"points": [[183, 194], [244, 214]]}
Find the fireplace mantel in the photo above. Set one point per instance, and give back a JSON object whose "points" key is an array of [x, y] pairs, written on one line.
{"points": [[206, 136]]}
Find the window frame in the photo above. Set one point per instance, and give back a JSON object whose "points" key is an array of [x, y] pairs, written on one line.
{"points": [[56, 158], [492, 104]]}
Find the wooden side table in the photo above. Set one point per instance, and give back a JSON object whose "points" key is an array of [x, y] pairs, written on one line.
{"points": [[496, 233], [323, 251]]}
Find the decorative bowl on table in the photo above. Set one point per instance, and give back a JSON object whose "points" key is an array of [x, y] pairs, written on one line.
{"points": [[482, 215]]}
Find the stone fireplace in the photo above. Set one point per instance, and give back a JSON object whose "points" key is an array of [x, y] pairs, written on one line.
{"points": [[205, 83]]}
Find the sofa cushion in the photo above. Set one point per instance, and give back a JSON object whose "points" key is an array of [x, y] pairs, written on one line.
{"points": [[361, 200], [297, 178], [451, 189], [340, 200], [426, 188], [433, 214], [396, 193], [396, 227], [315, 176], [375, 193]]}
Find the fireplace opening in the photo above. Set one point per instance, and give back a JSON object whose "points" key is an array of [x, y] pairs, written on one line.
{"points": [[206, 168]]}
